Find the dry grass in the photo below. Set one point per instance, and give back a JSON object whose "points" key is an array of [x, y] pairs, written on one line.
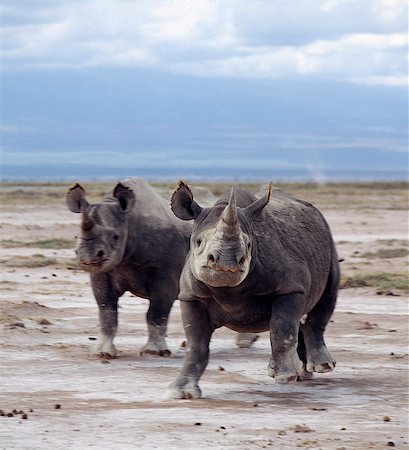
{"points": [[391, 195], [383, 282], [29, 262], [55, 244], [384, 253]]}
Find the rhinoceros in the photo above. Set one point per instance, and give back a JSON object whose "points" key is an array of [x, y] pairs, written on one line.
{"points": [[256, 264], [132, 242]]}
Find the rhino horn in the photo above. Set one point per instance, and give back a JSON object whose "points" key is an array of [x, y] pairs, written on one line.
{"points": [[229, 224], [87, 223]]}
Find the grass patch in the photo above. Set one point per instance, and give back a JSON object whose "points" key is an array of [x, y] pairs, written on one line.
{"points": [[54, 244], [384, 253], [29, 262], [384, 281]]}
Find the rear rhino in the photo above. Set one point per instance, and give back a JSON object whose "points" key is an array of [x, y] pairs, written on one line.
{"points": [[131, 242], [256, 265]]}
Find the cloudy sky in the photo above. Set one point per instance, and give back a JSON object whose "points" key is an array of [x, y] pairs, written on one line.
{"points": [[203, 89]]}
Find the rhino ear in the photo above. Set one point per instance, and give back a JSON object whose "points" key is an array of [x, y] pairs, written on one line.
{"points": [[182, 203], [256, 207], [75, 198], [125, 196]]}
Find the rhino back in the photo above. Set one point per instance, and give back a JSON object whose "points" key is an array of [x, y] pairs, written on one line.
{"points": [[295, 243], [155, 236]]}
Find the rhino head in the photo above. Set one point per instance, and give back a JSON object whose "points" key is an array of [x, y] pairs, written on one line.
{"points": [[222, 243], [104, 231]]}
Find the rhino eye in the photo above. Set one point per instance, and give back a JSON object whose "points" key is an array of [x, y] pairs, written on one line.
{"points": [[116, 237], [198, 242], [248, 246]]}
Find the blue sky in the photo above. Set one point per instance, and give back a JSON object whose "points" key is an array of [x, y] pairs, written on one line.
{"points": [[204, 89]]}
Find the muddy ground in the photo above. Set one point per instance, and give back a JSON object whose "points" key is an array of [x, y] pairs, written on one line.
{"points": [[53, 394]]}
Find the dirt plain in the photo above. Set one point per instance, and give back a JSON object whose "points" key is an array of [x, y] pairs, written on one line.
{"points": [[54, 394]]}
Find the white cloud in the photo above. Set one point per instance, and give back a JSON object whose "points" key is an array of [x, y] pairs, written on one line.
{"points": [[326, 39]]}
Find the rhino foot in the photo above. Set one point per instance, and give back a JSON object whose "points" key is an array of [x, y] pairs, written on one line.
{"points": [[155, 349], [305, 375], [189, 391], [245, 340], [320, 361], [287, 370], [104, 347]]}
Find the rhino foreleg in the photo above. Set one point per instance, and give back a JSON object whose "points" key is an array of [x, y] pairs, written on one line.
{"points": [[198, 329], [160, 304], [285, 364], [107, 301]]}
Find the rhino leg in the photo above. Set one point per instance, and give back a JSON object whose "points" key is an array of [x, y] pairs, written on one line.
{"points": [[107, 301], [302, 354], [285, 365], [246, 340], [319, 359], [198, 329], [160, 303]]}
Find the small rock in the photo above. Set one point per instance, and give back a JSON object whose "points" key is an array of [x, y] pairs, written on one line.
{"points": [[221, 369], [391, 444], [386, 419], [9, 415], [198, 424], [92, 338], [393, 294], [301, 429], [57, 406], [24, 416]]}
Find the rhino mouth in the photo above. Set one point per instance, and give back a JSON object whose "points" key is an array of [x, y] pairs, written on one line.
{"points": [[92, 266], [224, 269]]}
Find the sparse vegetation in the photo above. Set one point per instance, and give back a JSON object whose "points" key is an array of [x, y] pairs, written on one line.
{"points": [[54, 244], [384, 282], [383, 195], [30, 262], [384, 253]]}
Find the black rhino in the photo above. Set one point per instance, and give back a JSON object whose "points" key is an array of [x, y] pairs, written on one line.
{"points": [[131, 242], [266, 264]]}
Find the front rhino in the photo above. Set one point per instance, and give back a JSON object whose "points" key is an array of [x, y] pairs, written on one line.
{"points": [[108, 249], [236, 276]]}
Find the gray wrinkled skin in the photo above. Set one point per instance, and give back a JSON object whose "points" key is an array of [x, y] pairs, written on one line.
{"points": [[132, 242], [254, 265]]}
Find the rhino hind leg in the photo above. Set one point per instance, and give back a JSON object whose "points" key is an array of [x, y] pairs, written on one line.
{"points": [[319, 359], [302, 354], [246, 340]]}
